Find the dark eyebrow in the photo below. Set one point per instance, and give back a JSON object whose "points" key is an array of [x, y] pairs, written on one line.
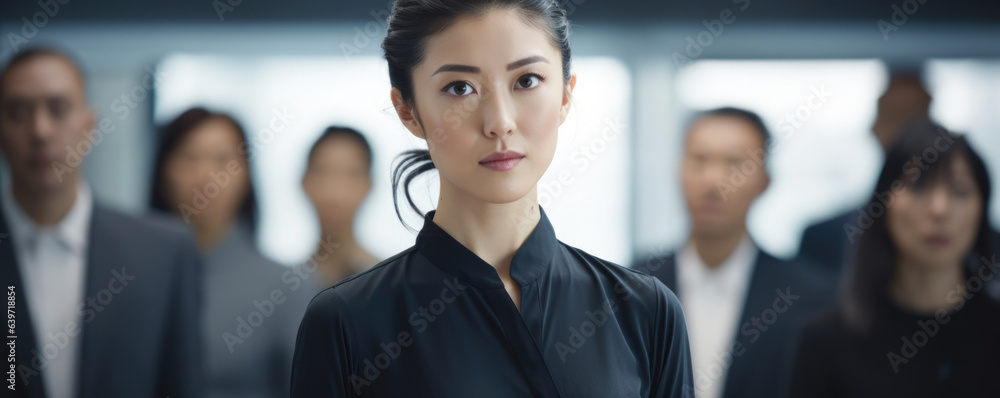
{"points": [[530, 60], [456, 68], [472, 69]]}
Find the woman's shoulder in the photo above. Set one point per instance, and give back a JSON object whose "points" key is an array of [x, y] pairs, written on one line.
{"points": [[373, 277], [585, 258], [632, 287], [369, 286]]}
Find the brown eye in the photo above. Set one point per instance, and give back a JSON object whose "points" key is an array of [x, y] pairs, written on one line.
{"points": [[528, 81], [459, 88]]}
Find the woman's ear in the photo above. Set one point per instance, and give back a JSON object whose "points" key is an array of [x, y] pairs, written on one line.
{"points": [[406, 114], [567, 99]]}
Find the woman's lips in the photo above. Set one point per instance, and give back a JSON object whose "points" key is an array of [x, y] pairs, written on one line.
{"points": [[502, 164], [502, 160], [937, 240]]}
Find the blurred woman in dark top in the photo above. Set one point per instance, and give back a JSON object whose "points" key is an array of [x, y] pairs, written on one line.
{"points": [[337, 181], [915, 319], [249, 314]]}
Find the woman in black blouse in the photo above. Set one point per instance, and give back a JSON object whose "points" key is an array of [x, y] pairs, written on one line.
{"points": [[488, 303], [916, 319]]}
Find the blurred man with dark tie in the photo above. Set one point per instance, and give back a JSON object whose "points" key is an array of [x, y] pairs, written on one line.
{"points": [[743, 306], [106, 305]]}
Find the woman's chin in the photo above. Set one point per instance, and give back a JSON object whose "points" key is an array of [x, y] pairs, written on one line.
{"points": [[503, 194]]}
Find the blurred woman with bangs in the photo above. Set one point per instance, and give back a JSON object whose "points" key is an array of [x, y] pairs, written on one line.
{"points": [[915, 318]]}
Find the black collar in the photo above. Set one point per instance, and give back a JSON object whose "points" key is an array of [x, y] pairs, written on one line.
{"points": [[530, 261]]}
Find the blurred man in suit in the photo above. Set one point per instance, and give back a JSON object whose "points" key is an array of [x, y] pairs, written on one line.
{"points": [[105, 305], [743, 307]]}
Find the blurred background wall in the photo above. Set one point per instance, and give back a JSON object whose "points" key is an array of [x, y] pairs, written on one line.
{"points": [[644, 67]]}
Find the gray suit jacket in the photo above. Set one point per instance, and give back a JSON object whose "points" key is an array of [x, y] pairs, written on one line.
{"points": [[139, 316]]}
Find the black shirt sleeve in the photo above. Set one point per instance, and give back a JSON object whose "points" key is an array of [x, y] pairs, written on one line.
{"points": [[672, 373], [321, 367]]}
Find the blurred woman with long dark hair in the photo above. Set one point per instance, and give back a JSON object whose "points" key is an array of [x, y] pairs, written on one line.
{"points": [[915, 319], [202, 175]]}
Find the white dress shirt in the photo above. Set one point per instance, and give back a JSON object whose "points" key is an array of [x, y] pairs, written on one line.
{"points": [[51, 260], [713, 301]]}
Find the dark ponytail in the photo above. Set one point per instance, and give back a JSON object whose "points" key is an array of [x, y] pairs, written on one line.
{"points": [[411, 164], [412, 22]]}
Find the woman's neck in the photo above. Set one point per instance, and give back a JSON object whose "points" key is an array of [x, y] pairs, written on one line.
{"points": [[209, 232], [492, 231], [924, 289], [339, 255]]}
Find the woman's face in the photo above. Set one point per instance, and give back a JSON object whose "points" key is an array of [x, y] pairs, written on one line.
{"points": [[489, 84], [337, 179], [934, 224], [206, 177]]}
